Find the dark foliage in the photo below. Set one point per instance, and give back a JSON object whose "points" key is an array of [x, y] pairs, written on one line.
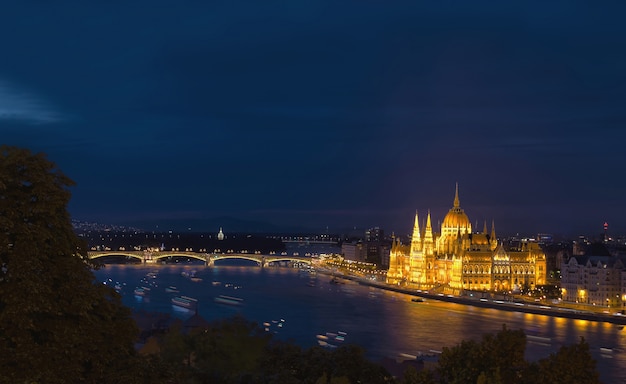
{"points": [[237, 351], [499, 358], [57, 325]]}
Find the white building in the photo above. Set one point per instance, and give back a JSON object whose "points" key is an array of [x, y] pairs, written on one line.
{"points": [[595, 280]]}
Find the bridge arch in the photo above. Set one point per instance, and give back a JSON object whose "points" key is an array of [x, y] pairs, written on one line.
{"points": [[287, 258], [256, 259], [148, 257], [197, 256], [209, 259], [97, 255]]}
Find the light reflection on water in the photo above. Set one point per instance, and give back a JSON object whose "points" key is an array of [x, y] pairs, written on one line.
{"points": [[385, 323]]}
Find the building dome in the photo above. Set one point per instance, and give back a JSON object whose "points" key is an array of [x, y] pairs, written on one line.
{"points": [[456, 218]]}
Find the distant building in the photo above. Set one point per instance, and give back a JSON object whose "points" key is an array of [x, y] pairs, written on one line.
{"points": [[354, 251], [556, 255], [373, 235], [220, 234], [596, 279], [545, 238], [385, 252], [377, 247], [459, 258]]}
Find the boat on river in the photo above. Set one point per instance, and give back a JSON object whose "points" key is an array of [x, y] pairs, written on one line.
{"points": [[185, 302], [228, 300], [141, 291], [331, 339]]}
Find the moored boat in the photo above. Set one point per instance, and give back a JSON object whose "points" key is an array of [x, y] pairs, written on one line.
{"points": [[141, 291], [185, 302], [331, 339], [230, 300]]}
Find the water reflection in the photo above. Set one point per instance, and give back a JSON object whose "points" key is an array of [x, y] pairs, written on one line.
{"points": [[420, 327], [385, 323]]}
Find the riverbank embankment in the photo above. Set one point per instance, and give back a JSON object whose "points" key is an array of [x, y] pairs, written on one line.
{"points": [[502, 305]]}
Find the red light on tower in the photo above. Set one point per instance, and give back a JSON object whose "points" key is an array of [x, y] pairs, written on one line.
{"points": [[606, 225]]}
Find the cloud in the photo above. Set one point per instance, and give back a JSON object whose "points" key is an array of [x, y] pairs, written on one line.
{"points": [[22, 105]]}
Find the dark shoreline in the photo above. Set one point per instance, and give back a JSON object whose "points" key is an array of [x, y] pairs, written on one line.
{"points": [[503, 306]]}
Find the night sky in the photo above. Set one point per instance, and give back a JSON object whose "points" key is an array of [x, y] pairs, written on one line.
{"points": [[323, 114]]}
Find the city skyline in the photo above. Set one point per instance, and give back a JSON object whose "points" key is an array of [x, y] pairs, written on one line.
{"points": [[325, 115]]}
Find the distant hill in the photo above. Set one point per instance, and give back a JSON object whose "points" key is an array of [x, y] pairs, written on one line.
{"points": [[229, 224], [88, 226], [211, 225]]}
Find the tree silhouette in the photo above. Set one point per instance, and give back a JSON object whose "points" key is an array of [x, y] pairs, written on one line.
{"points": [[570, 365], [499, 359], [57, 324]]}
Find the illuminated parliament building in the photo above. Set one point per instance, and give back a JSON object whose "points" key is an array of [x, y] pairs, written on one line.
{"points": [[461, 259]]}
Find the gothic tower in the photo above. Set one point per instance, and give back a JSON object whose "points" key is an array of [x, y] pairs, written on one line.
{"points": [[456, 223], [417, 264], [429, 252], [492, 239], [416, 238]]}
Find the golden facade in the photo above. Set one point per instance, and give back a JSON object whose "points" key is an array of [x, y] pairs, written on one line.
{"points": [[459, 259]]}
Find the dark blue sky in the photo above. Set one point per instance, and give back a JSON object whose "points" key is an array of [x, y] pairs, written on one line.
{"points": [[325, 113]]}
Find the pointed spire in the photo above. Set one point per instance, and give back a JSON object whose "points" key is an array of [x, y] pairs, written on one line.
{"points": [[428, 235], [416, 241], [492, 239], [485, 228], [457, 204], [416, 229]]}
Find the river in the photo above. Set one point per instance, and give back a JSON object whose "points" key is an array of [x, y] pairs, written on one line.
{"points": [[299, 306]]}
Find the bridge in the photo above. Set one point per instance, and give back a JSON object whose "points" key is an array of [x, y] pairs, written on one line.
{"points": [[308, 241], [208, 258]]}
